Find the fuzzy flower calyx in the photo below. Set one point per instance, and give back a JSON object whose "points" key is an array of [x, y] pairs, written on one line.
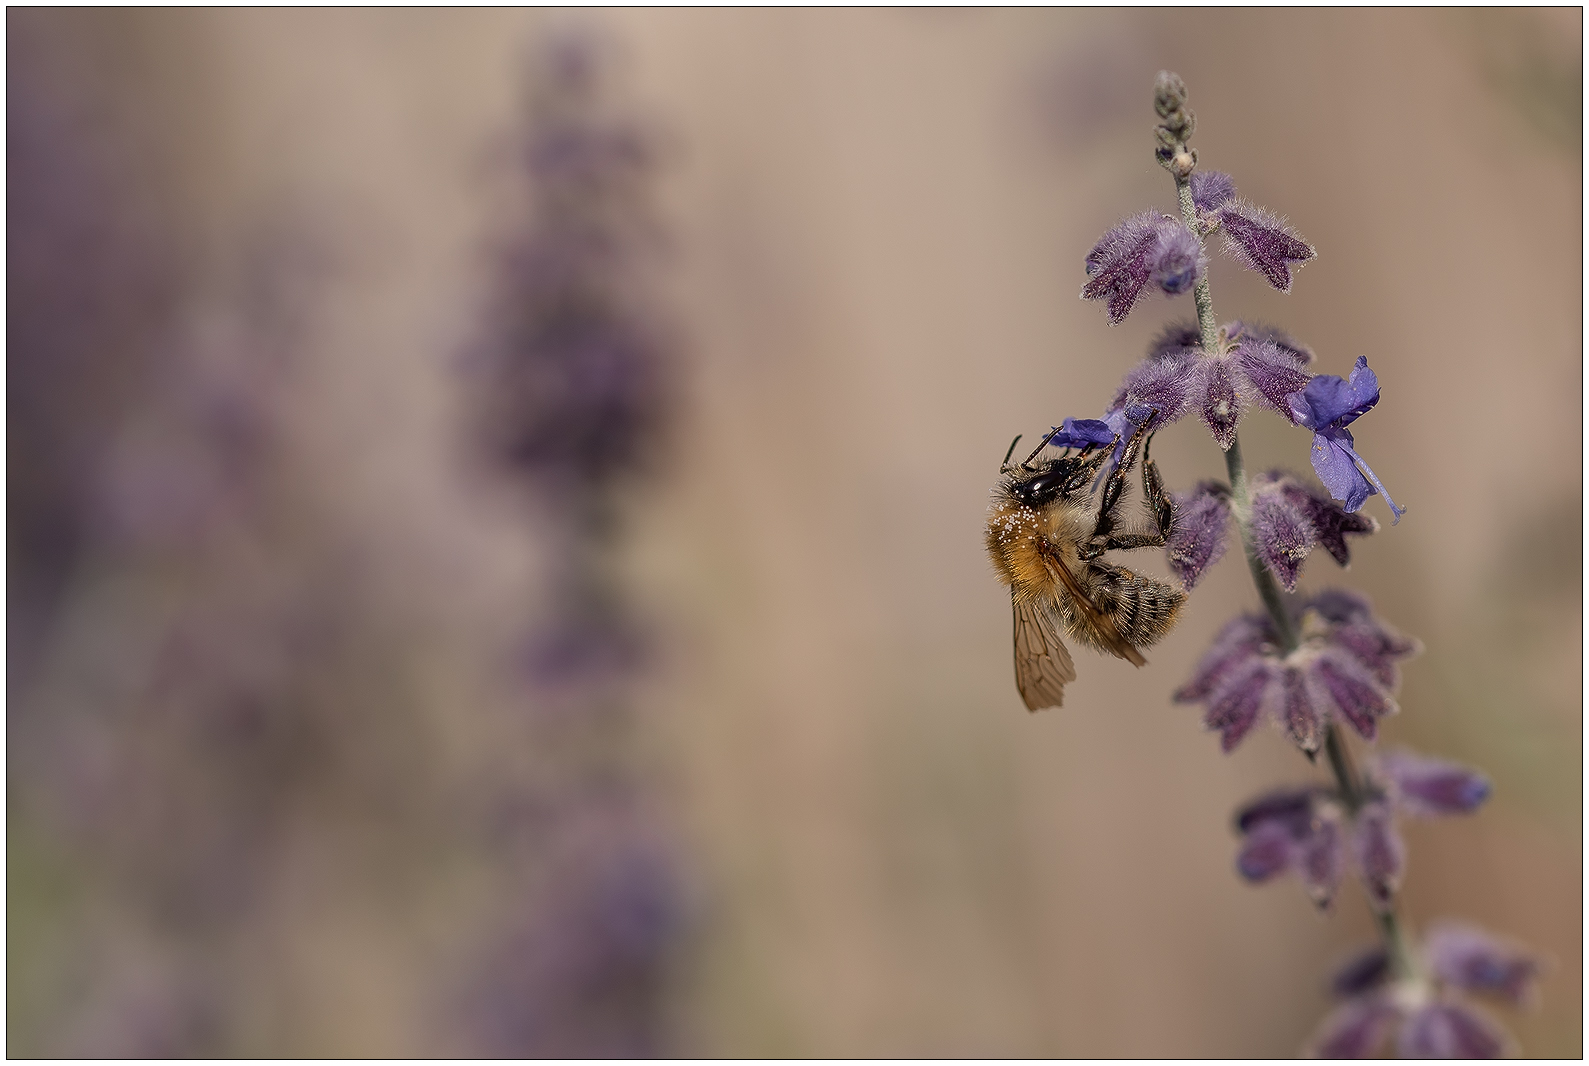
{"points": [[1428, 1012], [1255, 366], [1343, 668], [1143, 248], [1289, 519], [1327, 405], [1197, 538], [1255, 238]]}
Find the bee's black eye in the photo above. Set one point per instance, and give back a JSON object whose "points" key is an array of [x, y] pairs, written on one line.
{"points": [[1042, 489]]}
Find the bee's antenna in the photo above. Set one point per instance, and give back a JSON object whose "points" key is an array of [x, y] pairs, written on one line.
{"points": [[1027, 462], [1011, 452]]}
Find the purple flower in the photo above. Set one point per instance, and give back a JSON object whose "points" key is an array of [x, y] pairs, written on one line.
{"points": [[1255, 238], [1211, 189], [1309, 831], [1082, 433], [1327, 405], [1239, 331], [1197, 539], [1425, 786], [1427, 1010], [1254, 366], [1289, 520], [1343, 668], [1293, 829], [1145, 247], [1468, 958], [1378, 853], [1263, 242], [1446, 1028]]}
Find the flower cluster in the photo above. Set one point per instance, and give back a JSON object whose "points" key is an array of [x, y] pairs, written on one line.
{"points": [[1427, 1011], [1159, 248], [1343, 669], [1254, 366], [1317, 832], [1289, 519]]}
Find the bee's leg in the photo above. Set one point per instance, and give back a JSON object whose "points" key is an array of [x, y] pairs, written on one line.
{"points": [[1127, 541], [1114, 486], [1084, 471], [1157, 501]]}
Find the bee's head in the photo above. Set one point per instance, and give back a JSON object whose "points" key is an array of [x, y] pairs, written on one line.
{"points": [[1041, 483]]}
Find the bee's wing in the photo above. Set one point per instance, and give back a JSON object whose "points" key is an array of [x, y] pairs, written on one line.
{"points": [[1042, 662], [1100, 621]]}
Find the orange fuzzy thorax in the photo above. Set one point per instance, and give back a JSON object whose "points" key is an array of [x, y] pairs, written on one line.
{"points": [[1024, 543]]}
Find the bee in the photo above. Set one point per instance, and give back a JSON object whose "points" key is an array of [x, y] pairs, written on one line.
{"points": [[1048, 529]]}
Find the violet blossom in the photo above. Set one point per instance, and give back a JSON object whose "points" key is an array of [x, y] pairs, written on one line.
{"points": [[1254, 367], [1327, 406], [1197, 538], [1255, 238], [1145, 247]]}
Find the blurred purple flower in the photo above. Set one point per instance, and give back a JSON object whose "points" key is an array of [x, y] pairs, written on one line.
{"points": [[576, 390], [1343, 668], [582, 977], [1445, 1028], [1146, 247], [1466, 957], [574, 370], [1327, 406], [1427, 1010], [1426, 786]]}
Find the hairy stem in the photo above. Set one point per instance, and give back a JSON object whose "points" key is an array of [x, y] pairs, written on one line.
{"points": [[1200, 293]]}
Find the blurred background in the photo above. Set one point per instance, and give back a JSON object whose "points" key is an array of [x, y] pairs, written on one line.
{"points": [[495, 515]]}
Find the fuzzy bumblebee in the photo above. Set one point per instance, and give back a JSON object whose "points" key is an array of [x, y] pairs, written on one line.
{"points": [[1047, 532]]}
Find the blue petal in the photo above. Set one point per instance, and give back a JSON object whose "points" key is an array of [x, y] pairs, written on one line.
{"points": [[1333, 461], [1329, 399], [1080, 432], [1358, 459]]}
